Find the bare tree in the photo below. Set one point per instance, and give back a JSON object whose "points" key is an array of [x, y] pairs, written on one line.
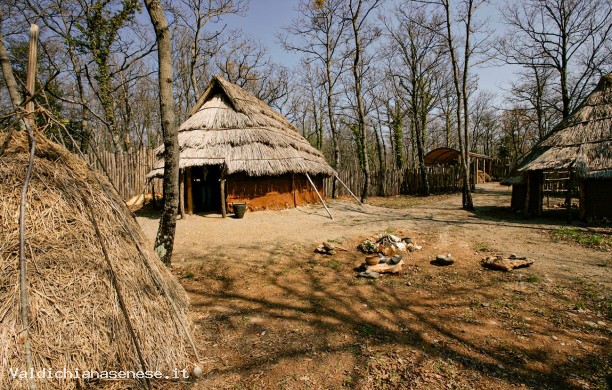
{"points": [[484, 123], [570, 37], [246, 62], [164, 241], [460, 70], [420, 62], [534, 89], [199, 30], [320, 27], [362, 35]]}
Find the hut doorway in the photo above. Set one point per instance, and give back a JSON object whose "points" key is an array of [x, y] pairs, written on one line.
{"points": [[205, 189]]}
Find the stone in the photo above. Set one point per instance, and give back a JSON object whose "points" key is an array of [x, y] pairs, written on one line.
{"points": [[500, 264], [395, 259], [591, 324], [555, 338], [601, 323], [368, 275], [443, 260], [485, 304]]}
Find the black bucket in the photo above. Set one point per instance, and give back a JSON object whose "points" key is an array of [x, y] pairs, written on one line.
{"points": [[239, 209]]}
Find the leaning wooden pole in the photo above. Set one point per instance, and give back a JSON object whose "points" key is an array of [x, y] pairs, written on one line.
{"points": [[23, 282], [349, 190], [319, 195]]}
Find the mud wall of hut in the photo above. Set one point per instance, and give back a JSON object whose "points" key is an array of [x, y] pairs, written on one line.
{"points": [[272, 192]]}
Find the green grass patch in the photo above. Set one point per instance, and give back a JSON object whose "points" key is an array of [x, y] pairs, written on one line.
{"points": [[406, 201], [533, 278], [483, 247], [584, 237], [333, 264]]}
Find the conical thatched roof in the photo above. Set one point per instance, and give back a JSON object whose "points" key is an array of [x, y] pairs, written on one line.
{"points": [[77, 294], [231, 127], [582, 141]]}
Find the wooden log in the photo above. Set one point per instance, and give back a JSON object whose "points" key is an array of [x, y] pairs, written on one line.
{"points": [[223, 200], [182, 193], [319, 195], [189, 198], [385, 268], [350, 192]]}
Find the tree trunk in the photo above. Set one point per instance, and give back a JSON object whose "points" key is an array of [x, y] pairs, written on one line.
{"points": [[164, 241], [468, 204], [361, 120], [7, 72], [460, 90]]}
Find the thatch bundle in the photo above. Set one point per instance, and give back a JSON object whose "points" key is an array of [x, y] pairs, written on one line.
{"points": [[98, 296], [581, 142], [232, 128]]}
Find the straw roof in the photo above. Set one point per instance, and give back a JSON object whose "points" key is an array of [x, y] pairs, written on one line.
{"points": [[231, 127], [75, 307], [582, 141]]}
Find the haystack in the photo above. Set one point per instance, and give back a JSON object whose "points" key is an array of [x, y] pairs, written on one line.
{"points": [[98, 295], [236, 148], [581, 146]]}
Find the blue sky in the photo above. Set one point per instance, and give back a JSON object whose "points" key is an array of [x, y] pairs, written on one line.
{"points": [[265, 18]]}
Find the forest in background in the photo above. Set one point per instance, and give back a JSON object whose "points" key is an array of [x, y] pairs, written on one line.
{"points": [[379, 83]]}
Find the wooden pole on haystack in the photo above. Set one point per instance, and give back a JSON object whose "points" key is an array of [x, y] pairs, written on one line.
{"points": [[23, 282], [31, 75], [319, 195]]}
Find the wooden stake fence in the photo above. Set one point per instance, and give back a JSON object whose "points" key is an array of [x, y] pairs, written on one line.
{"points": [[127, 170], [398, 182]]}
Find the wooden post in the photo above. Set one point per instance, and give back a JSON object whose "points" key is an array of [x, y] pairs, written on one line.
{"points": [[182, 193], [293, 190], [189, 197], [319, 195], [31, 75], [568, 194], [222, 185]]}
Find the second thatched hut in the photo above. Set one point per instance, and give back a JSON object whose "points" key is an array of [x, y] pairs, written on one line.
{"points": [[574, 160], [234, 148]]}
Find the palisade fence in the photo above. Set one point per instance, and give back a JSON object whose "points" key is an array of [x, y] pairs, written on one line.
{"points": [[397, 181], [127, 172]]}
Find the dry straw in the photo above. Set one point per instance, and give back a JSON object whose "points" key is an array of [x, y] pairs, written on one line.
{"points": [[582, 141], [230, 127], [98, 295]]}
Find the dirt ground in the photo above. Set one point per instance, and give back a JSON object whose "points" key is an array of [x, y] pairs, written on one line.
{"points": [[270, 313]]}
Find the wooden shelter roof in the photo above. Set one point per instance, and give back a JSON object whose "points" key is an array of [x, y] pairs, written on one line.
{"points": [[447, 156]]}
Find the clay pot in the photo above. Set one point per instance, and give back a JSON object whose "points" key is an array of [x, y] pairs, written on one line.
{"points": [[372, 260]]}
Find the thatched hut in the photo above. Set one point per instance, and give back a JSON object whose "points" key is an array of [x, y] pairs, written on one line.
{"points": [[577, 155], [235, 148], [99, 299]]}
